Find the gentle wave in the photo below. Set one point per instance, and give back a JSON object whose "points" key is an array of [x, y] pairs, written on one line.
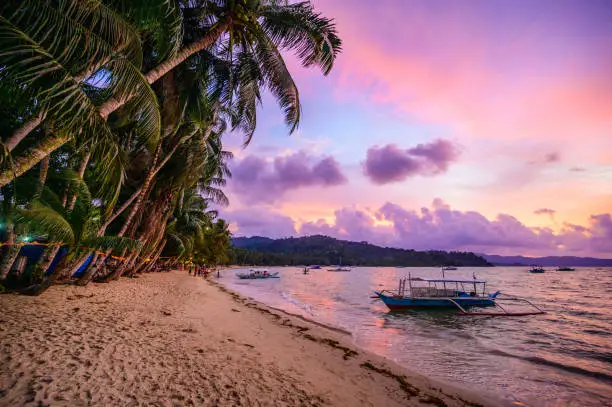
{"points": [[543, 361]]}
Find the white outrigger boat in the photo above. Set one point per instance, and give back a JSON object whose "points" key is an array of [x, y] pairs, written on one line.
{"points": [[255, 274], [450, 293], [339, 268]]}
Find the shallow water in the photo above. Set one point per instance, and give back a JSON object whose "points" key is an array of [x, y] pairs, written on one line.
{"points": [[562, 358]]}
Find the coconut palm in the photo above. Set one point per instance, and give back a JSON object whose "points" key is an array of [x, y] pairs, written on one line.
{"points": [[75, 229], [250, 31]]}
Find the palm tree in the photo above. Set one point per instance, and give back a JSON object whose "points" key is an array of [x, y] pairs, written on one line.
{"points": [[75, 229], [249, 30], [79, 54]]}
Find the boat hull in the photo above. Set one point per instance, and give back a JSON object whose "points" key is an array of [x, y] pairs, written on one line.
{"points": [[395, 303], [256, 278]]}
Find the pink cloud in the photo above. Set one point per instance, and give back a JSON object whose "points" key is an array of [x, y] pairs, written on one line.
{"points": [[451, 65], [257, 180], [440, 227], [388, 164], [260, 222], [545, 211]]}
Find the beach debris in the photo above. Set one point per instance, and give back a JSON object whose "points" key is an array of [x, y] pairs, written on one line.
{"points": [[408, 388]]}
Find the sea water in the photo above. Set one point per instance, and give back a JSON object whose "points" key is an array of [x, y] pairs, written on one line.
{"points": [[561, 358]]}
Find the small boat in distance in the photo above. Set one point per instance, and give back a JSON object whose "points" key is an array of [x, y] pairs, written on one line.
{"points": [[339, 268], [536, 269], [565, 268], [254, 274], [449, 293], [314, 267], [449, 268]]}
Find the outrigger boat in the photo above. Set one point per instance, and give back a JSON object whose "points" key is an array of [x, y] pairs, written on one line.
{"points": [[449, 268], [339, 268], [565, 268], [449, 293], [536, 269], [254, 274]]}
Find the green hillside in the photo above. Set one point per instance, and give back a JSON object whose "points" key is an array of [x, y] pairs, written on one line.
{"points": [[326, 250]]}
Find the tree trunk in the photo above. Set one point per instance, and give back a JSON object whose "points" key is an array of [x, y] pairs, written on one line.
{"points": [[110, 220], [44, 169], [48, 256], [23, 131], [68, 271], [112, 274], [48, 146], [11, 256], [126, 265], [82, 169], [154, 74], [154, 259], [89, 272], [145, 187], [32, 157]]}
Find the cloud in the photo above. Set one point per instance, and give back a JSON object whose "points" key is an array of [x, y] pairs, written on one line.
{"points": [[552, 157], [389, 164], [441, 227], [549, 158], [260, 222], [545, 211], [256, 180]]}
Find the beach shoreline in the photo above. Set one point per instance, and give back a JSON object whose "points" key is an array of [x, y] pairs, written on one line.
{"points": [[172, 339]]}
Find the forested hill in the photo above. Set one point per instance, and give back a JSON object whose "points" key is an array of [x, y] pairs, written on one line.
{"points": [[326, 250]]}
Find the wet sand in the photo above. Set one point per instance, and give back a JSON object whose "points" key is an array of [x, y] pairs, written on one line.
{"points": [[168, 339]]}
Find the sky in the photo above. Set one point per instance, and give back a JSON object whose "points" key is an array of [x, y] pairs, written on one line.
{"points": [[476, 125]]}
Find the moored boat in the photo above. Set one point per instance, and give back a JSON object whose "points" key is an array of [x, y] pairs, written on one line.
{"points": [[565, 268], [536, 269], [414, 293], [449, 268], [255, 274], [339, 268]]}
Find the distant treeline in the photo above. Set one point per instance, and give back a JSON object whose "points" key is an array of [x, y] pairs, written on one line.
{"points": [[326, 250]]}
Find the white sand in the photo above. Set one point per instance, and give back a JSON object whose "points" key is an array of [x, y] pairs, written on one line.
{"points": [[167, 339]]}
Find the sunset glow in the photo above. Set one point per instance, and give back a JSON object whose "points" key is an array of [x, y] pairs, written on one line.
{"points": [[467, 119]]}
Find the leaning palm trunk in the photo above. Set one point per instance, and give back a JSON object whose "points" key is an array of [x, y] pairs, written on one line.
{"points": [[44, 170], [23, 131], [11, 256], [123, 207], [32, 157], [155, 257], [89, 272], [46, 147], [48, 256], [145, 188], [82, 169]]}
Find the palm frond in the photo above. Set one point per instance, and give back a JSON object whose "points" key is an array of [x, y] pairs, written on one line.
{"points": [[278, 79], [42, 219], [298, 28]]}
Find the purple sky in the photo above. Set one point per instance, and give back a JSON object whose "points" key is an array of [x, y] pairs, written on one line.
{"points": [[480, 125]]}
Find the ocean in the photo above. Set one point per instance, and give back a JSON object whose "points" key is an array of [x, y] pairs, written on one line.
{"points": [[561, 358]]}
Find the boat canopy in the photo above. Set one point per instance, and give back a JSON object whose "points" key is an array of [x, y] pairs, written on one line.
{"points": [[447, 280]]}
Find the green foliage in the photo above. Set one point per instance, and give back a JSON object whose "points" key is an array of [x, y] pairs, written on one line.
{"points": [[326, 250], [76, 72]]}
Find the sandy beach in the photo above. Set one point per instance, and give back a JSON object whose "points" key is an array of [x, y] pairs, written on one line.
{"points": [[167, 339]]}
